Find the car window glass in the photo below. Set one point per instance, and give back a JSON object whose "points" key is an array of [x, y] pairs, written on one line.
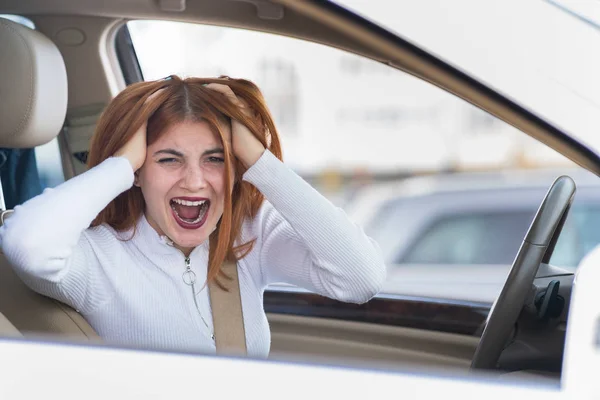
{"points": [[586, 221], [492, 238], [578, 237], [542, 80]]}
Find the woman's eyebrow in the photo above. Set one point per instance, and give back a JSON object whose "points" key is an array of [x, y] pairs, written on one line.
{"points": [[176, 153], [213, 151], [170, 152]]}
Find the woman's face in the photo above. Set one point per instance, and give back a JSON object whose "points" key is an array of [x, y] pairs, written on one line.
{"points": [[183, 183]]}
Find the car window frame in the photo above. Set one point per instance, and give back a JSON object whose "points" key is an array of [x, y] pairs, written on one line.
{"points": [[470, 305]]}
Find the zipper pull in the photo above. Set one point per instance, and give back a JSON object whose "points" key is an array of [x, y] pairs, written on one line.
{"points": [[189, 276]]}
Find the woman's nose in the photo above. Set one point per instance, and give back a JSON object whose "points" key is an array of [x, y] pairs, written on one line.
{"points": [[194, 178]]}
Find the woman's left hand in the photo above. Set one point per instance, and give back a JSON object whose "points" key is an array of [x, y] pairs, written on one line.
{"points": [[246, 147]]}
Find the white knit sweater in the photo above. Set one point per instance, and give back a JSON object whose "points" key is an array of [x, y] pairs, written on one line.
{"points": [[132, 292]]}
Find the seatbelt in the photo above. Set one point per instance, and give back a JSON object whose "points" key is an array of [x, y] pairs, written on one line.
{"points": [[228, 320]]}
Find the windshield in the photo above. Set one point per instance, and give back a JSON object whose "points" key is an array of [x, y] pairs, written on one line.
{"points": [[543, 54]]}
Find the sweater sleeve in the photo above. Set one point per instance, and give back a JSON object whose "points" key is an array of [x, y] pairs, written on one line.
{"points": [[308, 242], [46, 239]]}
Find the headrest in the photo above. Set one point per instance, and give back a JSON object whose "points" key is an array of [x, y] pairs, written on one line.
{"points": [[33, 87]]}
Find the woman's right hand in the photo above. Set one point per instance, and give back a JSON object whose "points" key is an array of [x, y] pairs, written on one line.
{"points": [[135, 149]]}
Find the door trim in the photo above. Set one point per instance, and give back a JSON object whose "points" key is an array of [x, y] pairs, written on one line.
{"points": [[450, 316]]}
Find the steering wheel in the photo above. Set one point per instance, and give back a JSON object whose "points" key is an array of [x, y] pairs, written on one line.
{"points": [[536, 248]]}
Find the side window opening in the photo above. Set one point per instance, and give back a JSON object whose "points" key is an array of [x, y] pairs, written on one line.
{"points": [[359, 131]]}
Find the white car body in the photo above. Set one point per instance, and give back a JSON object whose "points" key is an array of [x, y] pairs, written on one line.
{"points": [[38, 369]]}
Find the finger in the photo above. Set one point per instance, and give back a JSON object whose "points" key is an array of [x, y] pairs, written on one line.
{"points": [[153, 95], [220, 87], [226, 90]]}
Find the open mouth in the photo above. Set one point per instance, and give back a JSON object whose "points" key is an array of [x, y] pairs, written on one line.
{"points": [[190, 213]]}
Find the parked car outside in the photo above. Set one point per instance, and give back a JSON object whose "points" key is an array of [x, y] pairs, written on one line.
{"points": [[455, 236]]}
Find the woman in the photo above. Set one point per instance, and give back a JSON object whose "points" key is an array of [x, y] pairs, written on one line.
{"points": [[184, 175]]}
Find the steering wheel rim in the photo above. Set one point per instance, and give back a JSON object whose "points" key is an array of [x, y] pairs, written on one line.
{"points": [[541, 236]]}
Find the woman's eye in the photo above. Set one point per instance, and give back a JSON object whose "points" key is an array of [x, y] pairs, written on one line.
{"points": [[167, 160], [216, 160]]}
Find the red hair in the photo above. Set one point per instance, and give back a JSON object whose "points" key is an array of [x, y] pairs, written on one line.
{"points": [[186, 100]]}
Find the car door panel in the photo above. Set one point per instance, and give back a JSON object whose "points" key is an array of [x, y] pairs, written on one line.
{"points": [[366, 345], [383, 332]]}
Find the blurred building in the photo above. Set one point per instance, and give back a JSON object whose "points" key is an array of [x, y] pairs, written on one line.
{"points": [[362, 117]]}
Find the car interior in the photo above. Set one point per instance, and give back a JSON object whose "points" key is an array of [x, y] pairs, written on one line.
{"points": [[58, 77]]}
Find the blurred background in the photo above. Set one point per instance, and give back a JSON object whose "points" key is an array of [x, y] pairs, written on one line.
{"points": [[447, 190]]}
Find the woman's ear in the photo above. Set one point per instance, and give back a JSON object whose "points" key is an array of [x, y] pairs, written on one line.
{"points": [[136, 178]]}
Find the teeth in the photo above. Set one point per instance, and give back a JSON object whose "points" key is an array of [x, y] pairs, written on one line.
{"points": [[203, 211], [197, 219], [189, 203]]}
